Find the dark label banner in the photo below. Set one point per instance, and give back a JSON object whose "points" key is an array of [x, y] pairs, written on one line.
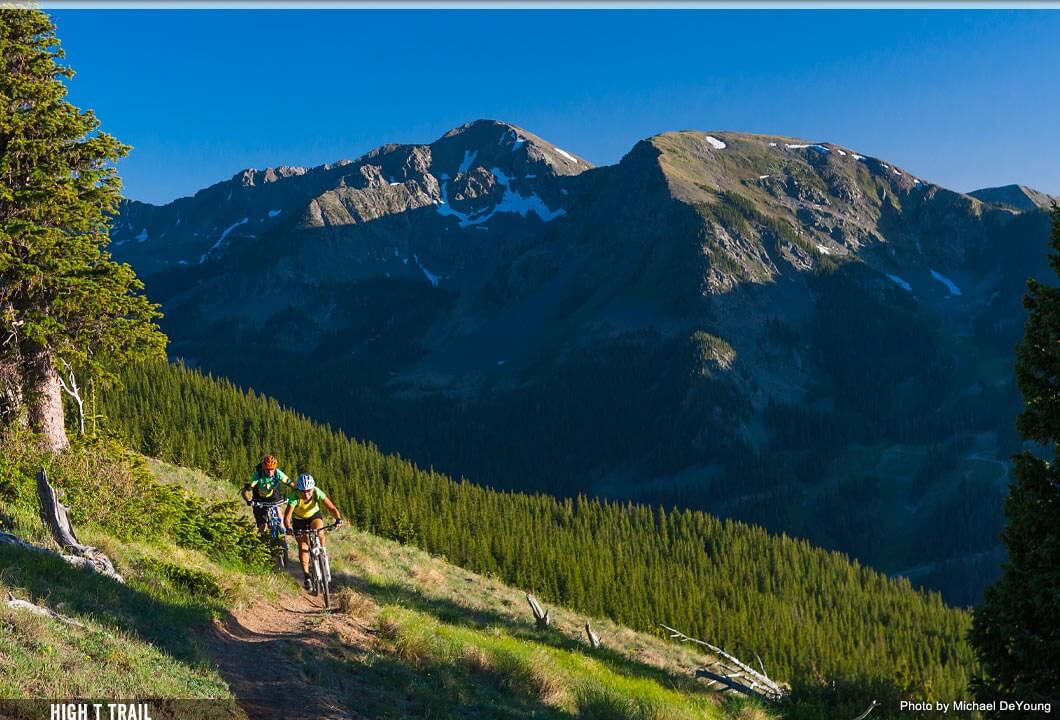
{"points": [[120, 710]]}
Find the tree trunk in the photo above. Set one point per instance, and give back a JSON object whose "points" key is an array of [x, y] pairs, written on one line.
{"points": [[45, 398], [10, 392]]}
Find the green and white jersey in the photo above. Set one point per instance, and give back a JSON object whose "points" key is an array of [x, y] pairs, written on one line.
{"points": [[265, 488]]}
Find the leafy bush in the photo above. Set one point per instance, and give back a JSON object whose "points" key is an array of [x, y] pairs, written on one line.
{"points": [[108, 486], [197, 582]]}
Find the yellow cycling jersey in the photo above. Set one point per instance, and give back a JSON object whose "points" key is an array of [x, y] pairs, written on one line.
{"points": [[306, 508]]}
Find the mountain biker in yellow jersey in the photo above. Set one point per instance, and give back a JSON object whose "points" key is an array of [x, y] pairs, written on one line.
{"points": [[303, 513], [267, 484]]}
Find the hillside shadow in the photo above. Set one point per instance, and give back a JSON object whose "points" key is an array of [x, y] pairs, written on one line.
{"points": [[453, 613], [51, 582]]}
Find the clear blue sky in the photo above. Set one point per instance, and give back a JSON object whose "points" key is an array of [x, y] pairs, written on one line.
{"points": [[966, 99]]}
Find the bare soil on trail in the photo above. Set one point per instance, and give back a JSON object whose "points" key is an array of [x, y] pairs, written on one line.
{"points": [[261, 652]]}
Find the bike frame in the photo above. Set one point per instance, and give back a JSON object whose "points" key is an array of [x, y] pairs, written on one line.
{"points": [[276, 528], [319, 565]]}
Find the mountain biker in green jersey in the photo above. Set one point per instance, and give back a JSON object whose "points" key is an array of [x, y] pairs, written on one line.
{"points": [[303, 513], [267, 484]]}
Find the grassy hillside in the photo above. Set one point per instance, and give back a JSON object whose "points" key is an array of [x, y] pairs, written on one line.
{"points": [[810, 614], [414, 635]]}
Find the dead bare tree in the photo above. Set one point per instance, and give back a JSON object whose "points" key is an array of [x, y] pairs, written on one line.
{"points": [[55, 515], [594, 639], [541, 618], [732, 673], [71, 389]]}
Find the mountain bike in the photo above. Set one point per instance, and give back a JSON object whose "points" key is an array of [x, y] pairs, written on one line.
{"points": [[276, 530], [319, 565]]}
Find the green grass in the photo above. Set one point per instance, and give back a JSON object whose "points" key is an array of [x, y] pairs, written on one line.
{"points": [[445, 642], [45, 658], [414, 636], [136, 640], [491, 662]]}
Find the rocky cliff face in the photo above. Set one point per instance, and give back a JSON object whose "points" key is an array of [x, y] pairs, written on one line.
{"points": [[785, 331]]}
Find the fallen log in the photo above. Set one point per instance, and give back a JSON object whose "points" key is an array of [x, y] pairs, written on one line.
{"points": [[27, 606], [727, 681], [752, 682], [865, 714]]}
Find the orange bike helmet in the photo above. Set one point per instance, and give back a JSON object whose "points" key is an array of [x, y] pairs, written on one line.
{"points": [[269, 462]]}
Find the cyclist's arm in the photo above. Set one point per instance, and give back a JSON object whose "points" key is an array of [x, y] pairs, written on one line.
{"points": [[287, 517], [331, 508], [250, 484]]}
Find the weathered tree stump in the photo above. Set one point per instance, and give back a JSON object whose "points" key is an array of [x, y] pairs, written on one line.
{"points": [[56, 517], [594, 639], [541, 618]]}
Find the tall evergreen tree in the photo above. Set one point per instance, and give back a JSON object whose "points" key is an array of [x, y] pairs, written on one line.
{"points": [[1016, 633], [63, 300]]}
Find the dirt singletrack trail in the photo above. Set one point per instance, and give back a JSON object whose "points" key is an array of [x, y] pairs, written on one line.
{"points": [[257, 650]]}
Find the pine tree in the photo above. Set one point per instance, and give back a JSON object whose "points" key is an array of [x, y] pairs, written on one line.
{"points": [[63, 300], [1015, 633]]}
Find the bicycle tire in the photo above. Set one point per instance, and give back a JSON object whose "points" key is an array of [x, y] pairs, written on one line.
{"points": [[324, 584], [314, 568], [326, 564]]}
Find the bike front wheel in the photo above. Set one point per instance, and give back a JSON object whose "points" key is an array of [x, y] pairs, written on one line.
{"points": [[322, 575]]}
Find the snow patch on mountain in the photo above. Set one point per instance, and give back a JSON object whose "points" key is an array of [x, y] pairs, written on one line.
{"points": [[900, 282], [469, 157], [567, 155], [950, 285], [795, 146], [715, 143], [511, 202], [274, 213], [513, 137], [499, 174], [429, 275], [221, 239], [142, 236]]}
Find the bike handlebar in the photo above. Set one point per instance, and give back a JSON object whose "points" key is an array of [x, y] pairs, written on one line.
{"points": [[275, 503], [332, 526]]}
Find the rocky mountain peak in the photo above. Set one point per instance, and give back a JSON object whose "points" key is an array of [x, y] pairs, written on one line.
{"points": [[494, 143], [1019, 197]]}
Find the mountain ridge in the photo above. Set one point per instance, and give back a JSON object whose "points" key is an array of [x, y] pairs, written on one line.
{"points": [[1020, 197], [750, 324]]}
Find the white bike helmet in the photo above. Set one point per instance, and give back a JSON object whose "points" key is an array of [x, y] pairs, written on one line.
{"points": [[306, 482]]}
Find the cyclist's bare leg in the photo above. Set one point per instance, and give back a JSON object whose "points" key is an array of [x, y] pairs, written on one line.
{"points": [[303, 554]]}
